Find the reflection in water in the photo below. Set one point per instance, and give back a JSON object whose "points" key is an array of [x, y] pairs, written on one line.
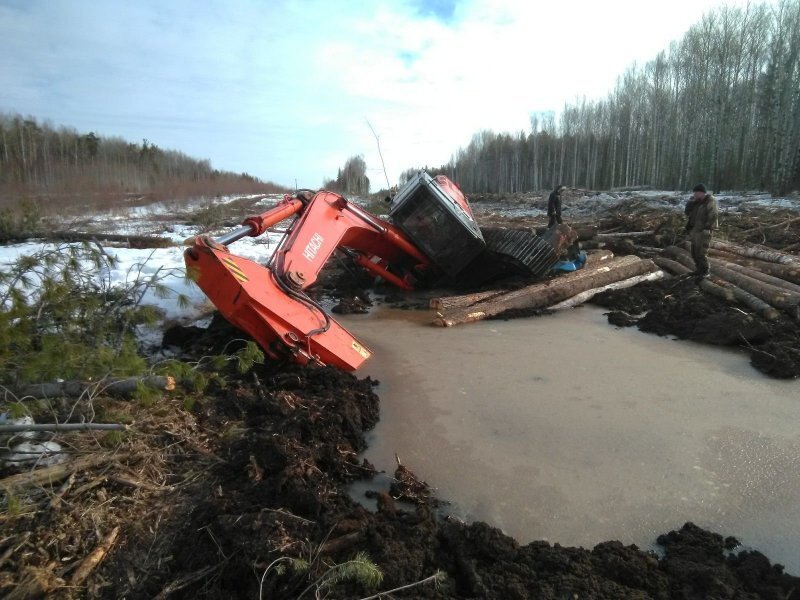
{"points": [[567, 429]]}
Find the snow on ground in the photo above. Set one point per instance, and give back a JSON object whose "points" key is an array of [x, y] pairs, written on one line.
{"points": [[581, 205], [145, 262], [155, 220]]}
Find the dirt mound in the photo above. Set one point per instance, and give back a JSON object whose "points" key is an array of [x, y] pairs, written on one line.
{"points": [[257, 505], [679, 307], [274, 516]]}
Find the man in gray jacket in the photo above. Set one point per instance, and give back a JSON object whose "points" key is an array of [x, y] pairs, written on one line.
{"points": [[703, 219]]}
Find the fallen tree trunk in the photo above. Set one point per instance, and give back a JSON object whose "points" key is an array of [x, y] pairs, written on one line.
{"points": [[706, 285], [108, 387], [451, 302], [132, 241], [775, 296], [757, 305], [758, 252], [755, 274], [785, 272], [551, 292], [618, 285]]}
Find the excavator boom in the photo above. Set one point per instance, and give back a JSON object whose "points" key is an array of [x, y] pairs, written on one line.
{"points": [[269, 302]]}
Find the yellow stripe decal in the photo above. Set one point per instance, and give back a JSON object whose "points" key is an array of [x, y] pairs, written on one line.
{"points": [[235, 269]]}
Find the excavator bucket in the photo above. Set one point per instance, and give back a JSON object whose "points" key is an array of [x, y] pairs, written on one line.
{"points": [[250, 297]]}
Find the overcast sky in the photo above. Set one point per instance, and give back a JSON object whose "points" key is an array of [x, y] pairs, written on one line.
{"points": [[283, 89]]}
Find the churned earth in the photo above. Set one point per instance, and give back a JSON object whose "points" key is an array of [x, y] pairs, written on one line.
{"points": [[245, 493], [285, 454]]}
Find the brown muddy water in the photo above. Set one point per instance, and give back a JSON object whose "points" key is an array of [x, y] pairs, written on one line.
{"points": [[567, 429]]}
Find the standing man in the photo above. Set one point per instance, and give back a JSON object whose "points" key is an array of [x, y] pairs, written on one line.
{"points": [[702, 212], [554, 206]]}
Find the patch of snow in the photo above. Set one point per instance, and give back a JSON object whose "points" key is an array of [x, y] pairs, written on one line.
{"points": [[28, 454]]}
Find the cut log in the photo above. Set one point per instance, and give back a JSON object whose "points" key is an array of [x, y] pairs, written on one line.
{"points": [[618, 285], [592, 245], [758, 252], [551, 292], [786, 272], [681, 255], [606, 237], [450, 302], [595, 256], [755, 274], [706, 285], [108, 387], [757, 305], [775, 296], [672, 266]]}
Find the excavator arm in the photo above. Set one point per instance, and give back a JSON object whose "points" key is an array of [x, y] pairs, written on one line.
{"points": [[269, 302], [433, 235]]}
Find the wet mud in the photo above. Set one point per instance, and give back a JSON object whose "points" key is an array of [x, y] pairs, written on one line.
{"points": [[287, 451], [677, 306], [266, 511]]}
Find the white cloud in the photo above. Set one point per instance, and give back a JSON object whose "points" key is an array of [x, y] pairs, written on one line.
{"points": [[283, 89]]}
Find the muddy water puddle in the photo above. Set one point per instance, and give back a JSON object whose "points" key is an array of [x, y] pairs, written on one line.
{"points": [[567, 429]]}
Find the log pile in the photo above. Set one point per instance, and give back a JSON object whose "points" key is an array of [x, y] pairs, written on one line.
{"points": [[766, 281], [758, 278], [602, 270]]}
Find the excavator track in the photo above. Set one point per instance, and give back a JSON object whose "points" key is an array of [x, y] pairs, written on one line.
{"points": [[513, 253], [521, 251]]}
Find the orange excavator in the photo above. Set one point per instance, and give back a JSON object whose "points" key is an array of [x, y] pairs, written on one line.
{"points": [[430, 236]]}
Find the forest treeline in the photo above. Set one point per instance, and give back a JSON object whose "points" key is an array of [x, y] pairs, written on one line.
{"points": [[39, 159], [351, 178], [721, 106]]}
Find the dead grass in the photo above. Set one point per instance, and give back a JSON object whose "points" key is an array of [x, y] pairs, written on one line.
{"points": [[77, 198], [55, 535]]}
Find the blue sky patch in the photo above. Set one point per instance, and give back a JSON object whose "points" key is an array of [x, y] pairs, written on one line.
{"points": [[444, 10]]}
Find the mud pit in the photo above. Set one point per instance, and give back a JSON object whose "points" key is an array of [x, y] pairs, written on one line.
{"points": [[678, 307], [259, 472], [564, 428], [285, 456]]}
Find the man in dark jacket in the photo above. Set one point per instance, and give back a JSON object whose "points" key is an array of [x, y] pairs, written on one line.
{"points": [[702, 214], [554, 206]]}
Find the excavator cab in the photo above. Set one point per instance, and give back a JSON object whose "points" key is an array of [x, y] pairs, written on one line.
{"points": [[435, 215]]}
